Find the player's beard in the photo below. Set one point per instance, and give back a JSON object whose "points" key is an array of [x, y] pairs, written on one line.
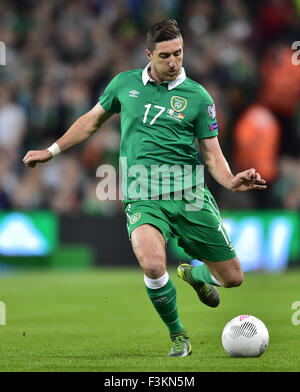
{"points": [[169, 76], [164, 75]]}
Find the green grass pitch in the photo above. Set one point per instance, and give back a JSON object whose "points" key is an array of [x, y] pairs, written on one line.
{"points": [[101, 320]]}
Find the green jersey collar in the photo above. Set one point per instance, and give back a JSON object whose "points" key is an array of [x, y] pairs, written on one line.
{"points": [[174, 83]]}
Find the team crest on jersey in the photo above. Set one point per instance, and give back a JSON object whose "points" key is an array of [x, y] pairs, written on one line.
{"points": [[135, 218], [178, 103]]}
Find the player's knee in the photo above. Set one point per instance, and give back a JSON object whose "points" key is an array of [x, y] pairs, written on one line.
{"points": [[154, 267], [154, 271], [234, 281]]}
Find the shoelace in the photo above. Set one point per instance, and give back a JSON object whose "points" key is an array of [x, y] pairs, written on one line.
{"points": [[178, 343], [205, 290]]}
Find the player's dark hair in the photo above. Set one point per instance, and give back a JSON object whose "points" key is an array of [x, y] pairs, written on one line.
{"points": [[165, 30]]}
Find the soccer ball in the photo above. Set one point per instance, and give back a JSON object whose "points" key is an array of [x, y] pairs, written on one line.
{"points": [[245, 336]]}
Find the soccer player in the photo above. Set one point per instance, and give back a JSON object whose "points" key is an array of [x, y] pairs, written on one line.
{"points": [[162, 112]]}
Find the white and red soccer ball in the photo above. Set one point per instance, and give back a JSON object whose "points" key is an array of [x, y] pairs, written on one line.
{"points": [[245, 336]]}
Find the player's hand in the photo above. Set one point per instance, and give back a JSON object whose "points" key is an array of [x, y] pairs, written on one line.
{"points": [[33, 157], [246, 180]]}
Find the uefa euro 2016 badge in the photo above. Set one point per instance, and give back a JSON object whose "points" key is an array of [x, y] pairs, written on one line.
{"points": [[135, 217], [178, 103]]}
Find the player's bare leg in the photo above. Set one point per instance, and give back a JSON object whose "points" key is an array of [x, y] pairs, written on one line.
{"points": [[149, 247], [228, 273]]}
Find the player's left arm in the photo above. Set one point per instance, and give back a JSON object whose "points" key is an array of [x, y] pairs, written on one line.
{"points": [[218, 167]]}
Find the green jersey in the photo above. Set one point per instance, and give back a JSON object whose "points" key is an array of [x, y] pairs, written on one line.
{"points": [[159, 125]]}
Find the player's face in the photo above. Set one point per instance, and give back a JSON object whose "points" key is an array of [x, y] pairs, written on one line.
{"points": [[166, 59]]}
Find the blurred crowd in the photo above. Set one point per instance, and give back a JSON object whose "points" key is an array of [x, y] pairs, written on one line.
{"points": [[60, 55]]}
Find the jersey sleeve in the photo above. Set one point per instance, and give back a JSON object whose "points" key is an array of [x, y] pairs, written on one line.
{"points": [[109, 99], [206, 122]]}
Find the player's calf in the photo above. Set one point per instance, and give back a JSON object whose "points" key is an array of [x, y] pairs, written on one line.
{"points": [[228, 273]]}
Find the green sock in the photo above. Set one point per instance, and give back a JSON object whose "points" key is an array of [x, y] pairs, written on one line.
{"points": [[164, 301], [202, 274]]}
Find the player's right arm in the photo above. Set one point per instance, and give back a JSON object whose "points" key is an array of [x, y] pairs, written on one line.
{"points": [[83, 128]]}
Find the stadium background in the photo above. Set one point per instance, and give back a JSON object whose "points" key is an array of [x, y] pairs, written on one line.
{"points": [[60, 55]]}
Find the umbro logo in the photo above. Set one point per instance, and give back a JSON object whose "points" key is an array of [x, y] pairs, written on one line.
{"points": [[134, 93]]}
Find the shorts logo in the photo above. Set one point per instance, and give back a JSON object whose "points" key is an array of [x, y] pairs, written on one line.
{"points": [[135, 218], [178, 103], [211, 111]]}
